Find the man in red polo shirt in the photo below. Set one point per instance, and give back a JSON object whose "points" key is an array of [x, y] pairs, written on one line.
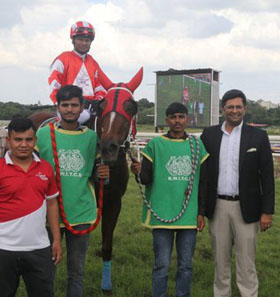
{"points": [[27, 197]]}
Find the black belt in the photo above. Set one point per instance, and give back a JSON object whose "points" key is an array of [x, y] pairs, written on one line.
{"points": [[229, 198]]}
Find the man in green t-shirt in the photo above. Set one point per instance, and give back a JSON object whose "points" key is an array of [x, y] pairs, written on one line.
{"points": [[172, 170], [76, 149]]}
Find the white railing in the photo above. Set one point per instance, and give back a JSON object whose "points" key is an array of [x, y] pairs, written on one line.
{"points": [[142, 138]]}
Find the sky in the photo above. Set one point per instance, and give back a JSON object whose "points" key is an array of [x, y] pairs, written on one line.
{"points": [[240, 38]]}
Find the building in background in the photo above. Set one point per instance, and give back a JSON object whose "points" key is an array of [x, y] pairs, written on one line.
{"points": [[268, 104], [198, 89]]}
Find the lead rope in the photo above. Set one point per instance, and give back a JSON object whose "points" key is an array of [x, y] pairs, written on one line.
{"points": [[60, 200], [188, 192]]}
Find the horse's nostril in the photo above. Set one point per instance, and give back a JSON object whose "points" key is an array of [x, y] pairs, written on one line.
{"points": [[112, 147]]}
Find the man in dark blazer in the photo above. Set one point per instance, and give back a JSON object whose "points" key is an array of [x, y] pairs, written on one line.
{"points": [[240, 194]]}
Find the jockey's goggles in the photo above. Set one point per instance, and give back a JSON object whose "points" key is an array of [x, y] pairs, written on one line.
{"points": [[83, 30]]}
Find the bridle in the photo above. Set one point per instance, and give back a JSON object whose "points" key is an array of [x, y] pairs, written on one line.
{"points": [[121, 88], [129, 138], [114, 106], [113, 101]]}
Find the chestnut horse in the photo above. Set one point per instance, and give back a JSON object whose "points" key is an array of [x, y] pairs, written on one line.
{"points": [[42, 118], [115, 115]]}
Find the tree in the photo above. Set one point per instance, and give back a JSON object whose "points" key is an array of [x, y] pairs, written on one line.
{"points": [[144, 103], [145, 116], [10, 110]]}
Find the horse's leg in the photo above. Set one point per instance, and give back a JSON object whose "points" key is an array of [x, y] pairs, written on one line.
{"points": [[111, 211]]}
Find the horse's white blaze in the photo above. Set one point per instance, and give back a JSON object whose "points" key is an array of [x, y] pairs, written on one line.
{"points": [[112, 117]]}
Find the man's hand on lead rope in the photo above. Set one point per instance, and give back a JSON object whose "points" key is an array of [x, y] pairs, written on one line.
{"points": [[135, 167], [103, 171]]}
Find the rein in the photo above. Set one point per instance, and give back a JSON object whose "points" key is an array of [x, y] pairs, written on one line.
{"points": [[188, 192], [126, 144], [60, 200], [121, 88]]}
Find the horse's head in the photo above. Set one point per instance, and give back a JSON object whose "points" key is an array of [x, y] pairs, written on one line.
{"points": [[117, 111]]}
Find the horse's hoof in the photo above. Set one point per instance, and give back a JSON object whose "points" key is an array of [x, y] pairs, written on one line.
{"points": [[108, 293]]}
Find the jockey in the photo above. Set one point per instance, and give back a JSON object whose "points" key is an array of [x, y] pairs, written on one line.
{"points": [[77, 67]]}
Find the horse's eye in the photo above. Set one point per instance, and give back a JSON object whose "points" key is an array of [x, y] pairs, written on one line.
{"points": [[130, 107]]}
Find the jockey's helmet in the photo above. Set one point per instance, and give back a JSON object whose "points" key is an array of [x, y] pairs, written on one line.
{"points": [[83, 29]]}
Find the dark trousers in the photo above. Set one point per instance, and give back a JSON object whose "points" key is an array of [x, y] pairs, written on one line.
{"points": [[76, 247], [36, 268]]}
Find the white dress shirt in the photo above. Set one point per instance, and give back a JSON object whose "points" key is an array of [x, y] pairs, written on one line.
{"points": [[229, 162]]}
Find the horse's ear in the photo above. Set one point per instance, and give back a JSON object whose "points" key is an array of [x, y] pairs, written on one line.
{"points": [[104, 80], [135, 81]]}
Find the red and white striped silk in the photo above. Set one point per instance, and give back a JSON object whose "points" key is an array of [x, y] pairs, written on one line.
{"points": [[70, 68]]}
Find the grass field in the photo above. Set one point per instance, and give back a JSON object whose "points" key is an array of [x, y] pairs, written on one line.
{"points": [[133, 258]]}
